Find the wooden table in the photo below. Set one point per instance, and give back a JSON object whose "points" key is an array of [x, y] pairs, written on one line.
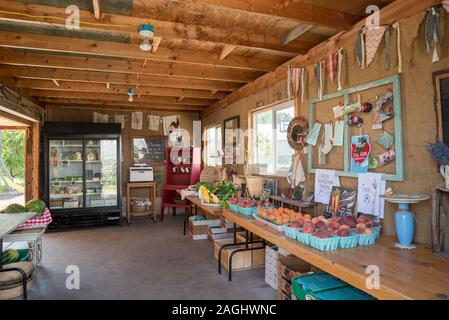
{"points": [[209, 211], [404, 274], [151, 186]]}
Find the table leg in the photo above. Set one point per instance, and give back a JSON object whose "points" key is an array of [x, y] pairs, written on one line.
{"points": [[1, 253]]}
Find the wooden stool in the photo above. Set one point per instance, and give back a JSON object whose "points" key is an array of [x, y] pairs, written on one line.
{"points": [[34, 239], [15, 280]]}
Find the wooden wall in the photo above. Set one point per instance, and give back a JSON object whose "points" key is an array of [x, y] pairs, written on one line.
{"points": [[419, 114]]}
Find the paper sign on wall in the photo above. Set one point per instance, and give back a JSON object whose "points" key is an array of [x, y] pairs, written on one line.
{"points": [[324, 181], [339, 133], [312, 138], [370, 186]]}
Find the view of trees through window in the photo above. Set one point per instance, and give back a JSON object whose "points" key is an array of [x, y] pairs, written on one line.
{"points": [[12, 167], [270, 134]]}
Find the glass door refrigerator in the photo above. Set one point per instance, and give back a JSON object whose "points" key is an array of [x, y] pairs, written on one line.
{"points": [[82, 178]]}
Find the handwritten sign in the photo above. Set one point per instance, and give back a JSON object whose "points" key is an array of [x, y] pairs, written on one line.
{"points": [[324, 181]]}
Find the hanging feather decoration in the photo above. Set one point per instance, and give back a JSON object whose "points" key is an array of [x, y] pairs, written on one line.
{"points": [[388, 49], [319, 79], [433, 38]]}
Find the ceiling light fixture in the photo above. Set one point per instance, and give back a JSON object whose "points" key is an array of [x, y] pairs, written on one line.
{"points": [[146, 31], [131, 93]]}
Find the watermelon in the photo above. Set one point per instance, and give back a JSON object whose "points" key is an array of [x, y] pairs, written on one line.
{"points": [[14, 208], [10, 256], [37, 206]]}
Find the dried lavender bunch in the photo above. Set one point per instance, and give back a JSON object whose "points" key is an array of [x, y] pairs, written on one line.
{"points": [[439, 152]]}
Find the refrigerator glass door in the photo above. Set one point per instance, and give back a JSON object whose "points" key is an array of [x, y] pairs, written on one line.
{"points": [[101, 173], [66, 174]]}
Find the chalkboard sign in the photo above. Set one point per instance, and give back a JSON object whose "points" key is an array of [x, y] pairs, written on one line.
{"points": [[149, 150]]}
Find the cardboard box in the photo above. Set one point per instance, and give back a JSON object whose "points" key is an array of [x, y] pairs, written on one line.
{"points": [[240, 261], [258, 256], [292, 266], [198, 229]]}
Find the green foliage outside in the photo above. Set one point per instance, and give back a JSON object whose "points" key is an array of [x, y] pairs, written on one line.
{"points": [[12, 148]]}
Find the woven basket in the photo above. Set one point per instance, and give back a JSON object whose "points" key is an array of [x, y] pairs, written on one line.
{"points": [[209, 174]]}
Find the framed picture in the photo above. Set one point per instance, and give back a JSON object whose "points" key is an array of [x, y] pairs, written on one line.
{"points": [[230, 144]]}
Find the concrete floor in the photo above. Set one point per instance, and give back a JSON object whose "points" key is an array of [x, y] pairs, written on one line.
{"points": [[140, 261]]}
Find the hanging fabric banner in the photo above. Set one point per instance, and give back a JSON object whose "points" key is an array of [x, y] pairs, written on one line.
{"points": [[137, 120], [340, 57], [387, 58], [296, 79], [319, 79], [120, 118], [397, 27], [289, 81], [433, 38], [154, 122], [359, 48], [303, 73], [331, 66], [373, 38]]}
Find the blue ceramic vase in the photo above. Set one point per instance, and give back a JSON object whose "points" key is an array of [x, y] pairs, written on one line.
{"points": [[405, 225]]}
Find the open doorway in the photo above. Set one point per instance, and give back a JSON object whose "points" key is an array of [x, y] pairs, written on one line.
{"points": [[12, 162], [12, 167]]}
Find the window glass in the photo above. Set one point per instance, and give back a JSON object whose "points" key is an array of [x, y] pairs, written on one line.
{"points": [[271, 151]]}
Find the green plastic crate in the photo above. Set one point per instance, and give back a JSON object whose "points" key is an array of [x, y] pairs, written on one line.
{"points": [[345, 293], [314, 282]]}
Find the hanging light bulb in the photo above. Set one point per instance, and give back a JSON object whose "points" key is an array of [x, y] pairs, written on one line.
{"points": [[145, 45], [146, 31], [131, 93]]}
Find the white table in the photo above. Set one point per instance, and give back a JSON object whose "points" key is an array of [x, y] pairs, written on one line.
{"points": [[8, 223]]}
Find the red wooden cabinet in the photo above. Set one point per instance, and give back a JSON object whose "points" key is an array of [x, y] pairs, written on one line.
{"points": [[182, 169]]}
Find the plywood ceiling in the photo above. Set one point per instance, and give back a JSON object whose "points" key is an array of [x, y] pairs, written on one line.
{"points": [[207, 48]]}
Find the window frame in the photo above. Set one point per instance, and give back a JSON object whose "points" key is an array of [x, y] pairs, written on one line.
{"points": [[218, 128], [273, 108]]}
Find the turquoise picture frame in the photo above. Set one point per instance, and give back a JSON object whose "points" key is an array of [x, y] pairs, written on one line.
{"points": [[394, 81]]}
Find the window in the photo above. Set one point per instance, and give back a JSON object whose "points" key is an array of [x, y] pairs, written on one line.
{"points": [[213, 146], [442, 86], [271, 152]]}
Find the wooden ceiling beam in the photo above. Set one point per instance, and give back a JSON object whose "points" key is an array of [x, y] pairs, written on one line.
{"points": [[115, 78], [297, 10], [112, 105], [295, 33], [400, 9], [119, 97], [226, 50], [165, 29], [21, 58], [115, 88], [114, 49]]}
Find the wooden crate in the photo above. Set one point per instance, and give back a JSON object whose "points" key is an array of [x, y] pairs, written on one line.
{"points": [[440, 221], [291, 266]]}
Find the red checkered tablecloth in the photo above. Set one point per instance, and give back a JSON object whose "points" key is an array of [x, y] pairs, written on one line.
{"points": [[41, 221]]}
